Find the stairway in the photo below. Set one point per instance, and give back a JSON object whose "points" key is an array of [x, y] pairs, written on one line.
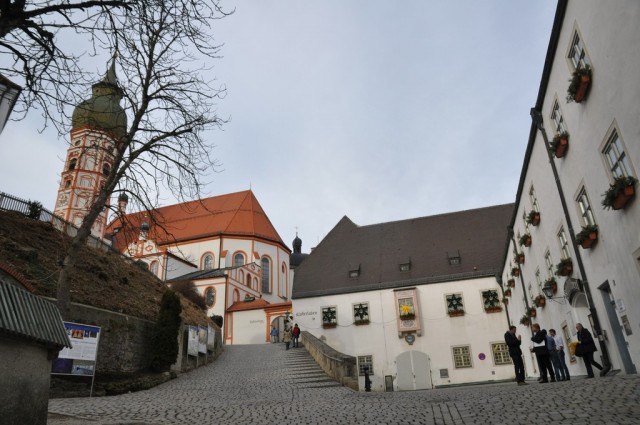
{"points": [[304, 372]]}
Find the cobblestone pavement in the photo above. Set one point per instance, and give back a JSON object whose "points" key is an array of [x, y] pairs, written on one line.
{"points": [[264, 384]]}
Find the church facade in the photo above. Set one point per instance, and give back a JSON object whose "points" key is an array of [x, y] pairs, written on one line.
{"points": [[417, 301]]}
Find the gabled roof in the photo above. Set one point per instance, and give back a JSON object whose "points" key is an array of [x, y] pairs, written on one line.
{"points": [[233, 214], [427, 244]]}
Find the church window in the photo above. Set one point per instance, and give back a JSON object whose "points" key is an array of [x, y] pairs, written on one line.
{"points": [[361, 313], [365, 363], [106, 169], [248, 280], [255, 284], [462, 357], [329, 317], [266, 275], [210, 296], [153, 267], [236, 296], [73, 163], [67, 183], [500, 353], [238, 259], [207, 262]]}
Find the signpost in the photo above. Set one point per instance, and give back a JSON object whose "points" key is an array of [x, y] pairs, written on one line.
{"points": [[80, 359]]}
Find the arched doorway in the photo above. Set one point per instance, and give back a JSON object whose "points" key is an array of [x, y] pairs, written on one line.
{"points": [[278, 323]]}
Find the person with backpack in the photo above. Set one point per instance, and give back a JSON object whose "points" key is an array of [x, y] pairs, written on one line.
{"points": [[296, 335]]}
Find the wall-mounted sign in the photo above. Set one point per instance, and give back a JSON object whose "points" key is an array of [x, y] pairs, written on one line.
{"points": [[482, 356]]}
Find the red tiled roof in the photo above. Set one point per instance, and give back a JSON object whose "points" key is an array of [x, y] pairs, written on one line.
{"points": [[248, 305], [237, 214]]}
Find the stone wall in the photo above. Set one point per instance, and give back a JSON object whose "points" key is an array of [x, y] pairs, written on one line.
{"points": [[341, 367]]}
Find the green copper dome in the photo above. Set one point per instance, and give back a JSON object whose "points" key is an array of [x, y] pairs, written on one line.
{"points": [[103, 110]]}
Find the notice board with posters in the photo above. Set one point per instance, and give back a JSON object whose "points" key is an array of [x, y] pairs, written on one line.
{"points": [[81, 358]]}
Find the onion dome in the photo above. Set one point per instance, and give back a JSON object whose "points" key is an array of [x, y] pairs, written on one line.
{"points": [[123, 198], [103, 111], [144, 226]]}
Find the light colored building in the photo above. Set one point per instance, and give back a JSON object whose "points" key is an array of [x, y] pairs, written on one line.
{"points": [[416, 301], [598, 114], [227, 247]]}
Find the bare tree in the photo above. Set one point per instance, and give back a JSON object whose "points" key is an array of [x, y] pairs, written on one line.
{"points": [[31, 52], [170, 103]]}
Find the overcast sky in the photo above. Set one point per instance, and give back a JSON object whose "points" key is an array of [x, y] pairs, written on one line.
{"points": [[376, 110]]}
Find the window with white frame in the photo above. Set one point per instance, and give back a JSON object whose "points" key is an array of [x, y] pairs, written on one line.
{"points": [[207, 262], [586, 214], [266, 274], [238, 259], [361, 313], [577, 52], [549, 264], [558, 119], [365, 363], [329, 316], [616, 157], [564, 244], [500, 352], [461, 357], [538, 278]]}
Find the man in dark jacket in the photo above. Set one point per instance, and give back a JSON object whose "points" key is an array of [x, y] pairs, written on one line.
{"points": [[587, 347], [515, 352], [541, 351]]}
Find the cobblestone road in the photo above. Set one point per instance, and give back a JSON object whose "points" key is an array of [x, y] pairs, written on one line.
{"points": [[264, 384]]}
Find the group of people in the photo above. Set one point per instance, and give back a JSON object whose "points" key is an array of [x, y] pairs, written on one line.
{"points": [[549, 350], [288, 335]]}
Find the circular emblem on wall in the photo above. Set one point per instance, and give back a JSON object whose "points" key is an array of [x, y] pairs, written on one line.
{"points": [[410, 338], [481, 356]]}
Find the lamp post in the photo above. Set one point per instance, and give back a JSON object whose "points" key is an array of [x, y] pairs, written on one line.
{"points": [[9, 93]]}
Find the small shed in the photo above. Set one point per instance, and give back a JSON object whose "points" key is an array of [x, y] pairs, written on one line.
{"points": [[31, 335]]}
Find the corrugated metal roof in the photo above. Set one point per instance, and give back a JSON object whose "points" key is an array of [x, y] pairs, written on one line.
{"points": [[30, 316]]}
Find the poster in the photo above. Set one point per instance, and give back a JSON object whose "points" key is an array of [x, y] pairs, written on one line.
{"points": [[192, 341], [202, 339], [80, 359], [210, 338]]}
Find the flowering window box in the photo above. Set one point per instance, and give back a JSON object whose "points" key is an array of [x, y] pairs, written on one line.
{"points": [[620, 192], [560, 145], [533, 218], [564, 267], [588, 236], [455, 313], [525, 240], [579, 85]]}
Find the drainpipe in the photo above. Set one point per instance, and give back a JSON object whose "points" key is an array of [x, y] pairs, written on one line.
{"points": [[536, 116], [520, 276]]}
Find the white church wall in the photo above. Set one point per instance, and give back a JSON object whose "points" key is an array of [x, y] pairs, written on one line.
{"points": [[250, 327]]}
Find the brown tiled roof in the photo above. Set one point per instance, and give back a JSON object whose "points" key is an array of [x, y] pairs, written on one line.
{"points": [[233, 214], [477, 236]]}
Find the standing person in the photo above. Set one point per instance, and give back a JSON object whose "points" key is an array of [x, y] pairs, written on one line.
{"points": [[539, 339], [274, 334], [515, 352], [553, 357], [286, 336], [296, 335], [586, 348], [562, 364]]}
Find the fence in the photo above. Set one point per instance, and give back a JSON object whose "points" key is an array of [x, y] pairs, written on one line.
{"points": [[29, 208]]}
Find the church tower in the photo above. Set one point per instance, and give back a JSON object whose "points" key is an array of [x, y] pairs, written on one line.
{"points": [[97, 125]]}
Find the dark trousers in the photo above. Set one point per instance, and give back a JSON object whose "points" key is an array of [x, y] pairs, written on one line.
{"points": [[287, 344], [518, 365], [544, 364], [557, 368], [563, 365], [588, 361], [295, 341]]}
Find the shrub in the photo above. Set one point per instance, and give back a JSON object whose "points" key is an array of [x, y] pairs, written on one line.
{"points": [[164, 338], [188, 290], [35, 209], [218, 320]]}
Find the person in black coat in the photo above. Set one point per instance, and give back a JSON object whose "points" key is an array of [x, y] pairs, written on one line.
{"points": [[586, 348], [541, 351], [513, 342]]}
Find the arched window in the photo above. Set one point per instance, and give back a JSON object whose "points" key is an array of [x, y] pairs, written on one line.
{"points": [[210, 296], [238, 259], [266, 274], [207, 262], [236, 296], [106, 169], [72, 164], [248, 280], [153, 267], [255, 284]]}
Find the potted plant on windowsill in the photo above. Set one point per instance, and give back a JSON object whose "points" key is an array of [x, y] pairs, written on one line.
{"points": [[551, 283], [588, 236], [407, 312], [620, 192], [359, 322], [560, 144], [511, 283], [515, 272], [524, 320], [540, 301], [507, 293], [519, 258], [532, 312], [533, 218], [505, 301], [525, 240], [579, 84], [564, 267], [456, 312]]}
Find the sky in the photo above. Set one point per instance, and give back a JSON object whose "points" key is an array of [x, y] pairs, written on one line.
{"points": [[375, 110]]}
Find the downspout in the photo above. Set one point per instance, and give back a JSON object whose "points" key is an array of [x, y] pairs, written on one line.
{"points": [[536, 116]]}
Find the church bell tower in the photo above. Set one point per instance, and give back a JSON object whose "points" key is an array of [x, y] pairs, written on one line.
{"points": [[97, 125]]}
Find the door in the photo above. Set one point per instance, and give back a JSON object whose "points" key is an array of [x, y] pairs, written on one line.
{"points": [[616, 329], [413, 371]]}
